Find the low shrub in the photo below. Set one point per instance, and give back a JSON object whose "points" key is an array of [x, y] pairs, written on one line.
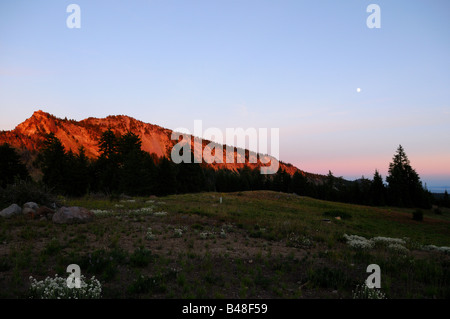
{"points": [[145, 284], [418, 215], [141, 257], [329, 278], [22, 192]]}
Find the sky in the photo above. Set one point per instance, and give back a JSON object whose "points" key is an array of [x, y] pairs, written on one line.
{"points": [[293, 65]]}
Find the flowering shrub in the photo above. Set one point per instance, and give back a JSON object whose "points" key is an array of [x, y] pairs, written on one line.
{"points": [[206, 235], [358, 242], [56, 288], [159, 213], [398, 248], [145, 210], [443, 249], [388, 240], [395, 244], [364, 292], [100, 212], [178, 232], [150, 235]]}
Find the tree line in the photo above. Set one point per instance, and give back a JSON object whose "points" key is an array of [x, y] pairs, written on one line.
{"points": [[124, 168]]}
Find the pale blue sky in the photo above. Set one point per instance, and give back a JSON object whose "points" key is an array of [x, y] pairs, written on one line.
{"points": [[294, 65]]}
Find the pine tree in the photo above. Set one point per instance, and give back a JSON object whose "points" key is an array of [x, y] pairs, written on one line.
{"points": [[167, 177], [126, 144], [52, 160], [106, 168], [108, 144], [190, 177], [405, 187], [78, 170], [377, 190], [446, 200], [10, 166], [299, 183]]}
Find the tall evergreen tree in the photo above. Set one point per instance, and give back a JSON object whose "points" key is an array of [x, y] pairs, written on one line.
{"points": [[281, 181], [377, 190], [167, 177], [445, 200], [52, 160], [79, 173], [10, 166], [190, 177], [108, 144], [299, 183], [126, 144], [106, 168], [405, 187]]}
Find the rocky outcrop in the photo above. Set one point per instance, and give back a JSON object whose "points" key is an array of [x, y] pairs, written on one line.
{"points": [[30, 134]]}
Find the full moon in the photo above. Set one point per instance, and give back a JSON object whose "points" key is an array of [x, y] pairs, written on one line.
{"points": [[358, 90]]}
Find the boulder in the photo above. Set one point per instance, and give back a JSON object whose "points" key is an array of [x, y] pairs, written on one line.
{"points": [[30, 209], [72, 215], [10, 211]]}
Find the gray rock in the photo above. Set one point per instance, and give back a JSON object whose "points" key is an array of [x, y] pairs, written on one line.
{"points": [[10, 211], [30, 208], [31, 205], [72, 215]]}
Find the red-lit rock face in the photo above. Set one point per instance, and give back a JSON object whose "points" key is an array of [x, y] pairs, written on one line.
{"points": [[74, 134]]}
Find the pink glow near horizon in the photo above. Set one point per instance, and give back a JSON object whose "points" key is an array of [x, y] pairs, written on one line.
{"points": [[430, 167]]}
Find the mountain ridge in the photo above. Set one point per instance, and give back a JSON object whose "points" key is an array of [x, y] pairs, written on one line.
{"points": [[29, 136]]}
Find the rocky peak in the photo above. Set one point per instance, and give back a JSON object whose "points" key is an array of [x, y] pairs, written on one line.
{"points": [[73, 134]]}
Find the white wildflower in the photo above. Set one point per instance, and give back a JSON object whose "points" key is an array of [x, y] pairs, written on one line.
{"points": [[388, 240], [364, 292], [398, 248], [178, 232], [160, 213], [443, 249], [358, 242]]}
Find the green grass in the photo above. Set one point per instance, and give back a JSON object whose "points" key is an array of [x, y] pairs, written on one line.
{"points": [[275, 245]]}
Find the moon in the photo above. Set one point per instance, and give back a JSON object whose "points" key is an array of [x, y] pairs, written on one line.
{"points": [[358, 90]]}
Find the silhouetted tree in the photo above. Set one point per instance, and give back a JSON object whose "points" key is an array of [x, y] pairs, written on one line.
{"points": [[167, 177], [106, 168], [299, 183], [108, 144], [79, 168], [281, 181], [10, 166], [377, 190], [445, 200], [52, 160], [126, 144], [190, 177], [405, 187]]}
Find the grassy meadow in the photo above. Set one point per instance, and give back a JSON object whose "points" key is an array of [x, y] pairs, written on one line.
{"points": [[259, 244]]}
